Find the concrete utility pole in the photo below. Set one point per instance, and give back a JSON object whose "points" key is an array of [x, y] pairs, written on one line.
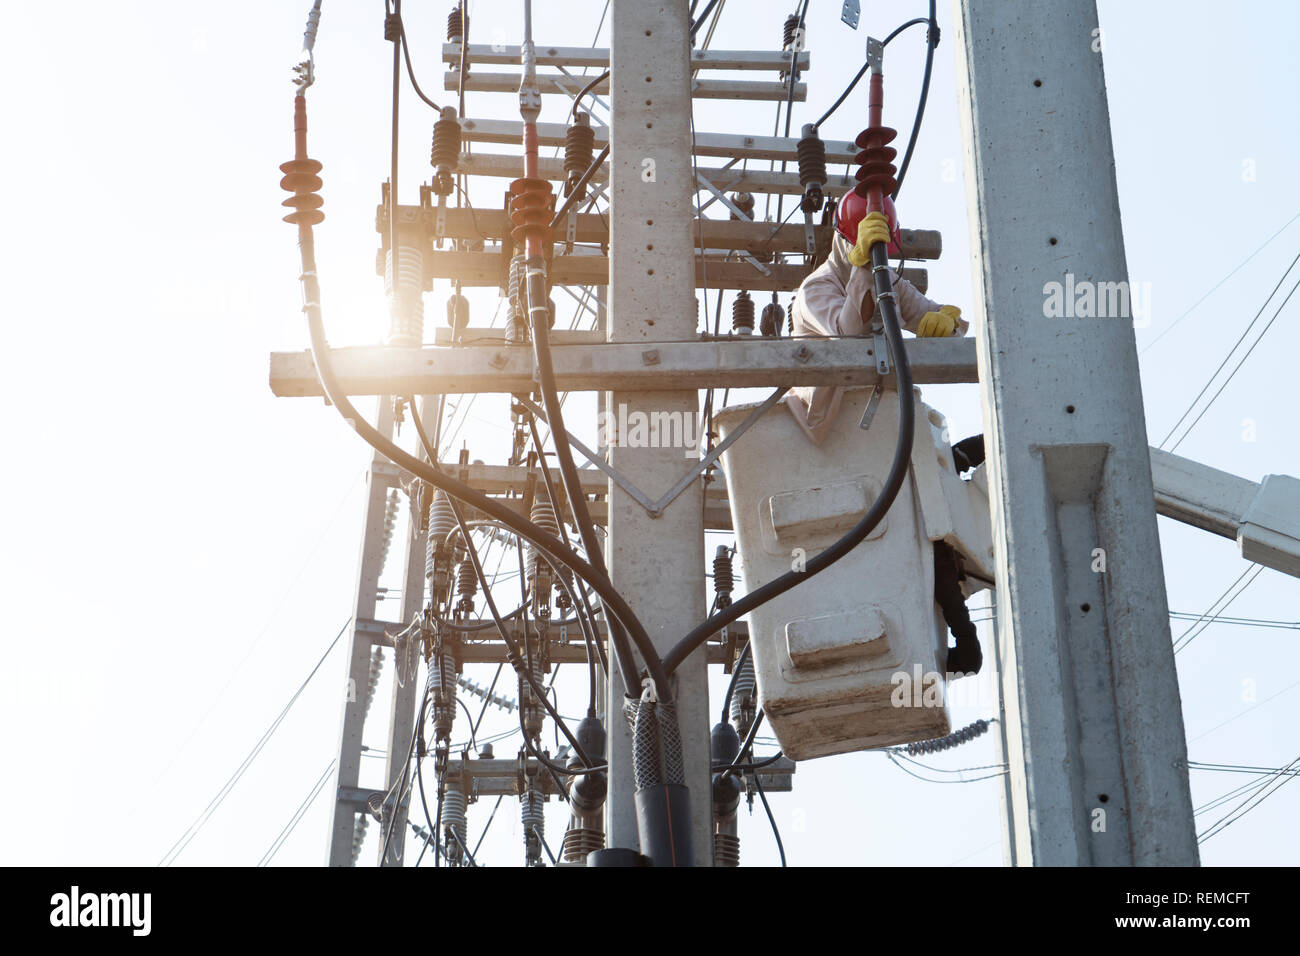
{"points": [[656, 562], [370, 563], [1095, 738]]}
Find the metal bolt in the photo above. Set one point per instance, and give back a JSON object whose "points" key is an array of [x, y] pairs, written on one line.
{"points": [[498, 361], [803, 353], [650, 357]]}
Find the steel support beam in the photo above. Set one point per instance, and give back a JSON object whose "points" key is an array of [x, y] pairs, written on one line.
{"points": [[657, 563], [741, 362], [587, 57], [1096, 747]]}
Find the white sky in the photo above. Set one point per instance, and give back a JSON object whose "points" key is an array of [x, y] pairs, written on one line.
{"points": [[203, 534]]}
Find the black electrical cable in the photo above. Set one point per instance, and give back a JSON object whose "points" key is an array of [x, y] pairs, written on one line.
{"points": [[843, 96], [614, 602], [699, 21], [545, 370], [780, 847], [587, 89], [893, 482], [931, 41], [577, 189], [744, 747]]}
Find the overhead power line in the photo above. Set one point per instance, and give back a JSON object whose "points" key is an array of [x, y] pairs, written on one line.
{"points": [[193, 829]]}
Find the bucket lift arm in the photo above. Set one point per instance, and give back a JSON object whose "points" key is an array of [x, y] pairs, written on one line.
{"points": [[1264, 517]]}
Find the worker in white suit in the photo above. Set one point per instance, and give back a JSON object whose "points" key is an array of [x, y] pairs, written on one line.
{"points": [[837, 298]]}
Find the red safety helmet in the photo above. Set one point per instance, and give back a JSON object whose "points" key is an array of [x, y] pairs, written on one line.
{"points": [[850, 211]]}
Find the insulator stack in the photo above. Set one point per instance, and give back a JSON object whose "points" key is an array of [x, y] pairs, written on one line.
{"points": [[442, 692], [390, 519], [534, 820], [811, 151], [466, 586], [540, 576], [875, 161], [455, 825], [790, 40], [534, 714], [954, 739], [517, 323], [497, 700], [744, 202], [455, 25], [742, 314], [530, 211], [743, 700], [405, 296], [773, 317], [724, 578], [301, 175], [579, 151], [438, 559], [457, 314], [359, 835], [726, 849], [445, 154], [372, 676], [579, 841]]}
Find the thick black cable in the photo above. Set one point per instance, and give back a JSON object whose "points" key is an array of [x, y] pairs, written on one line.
{"points": [[893, 482], [744, 747], [699, 21], [931, 41], [538, 319], [615, 605]]}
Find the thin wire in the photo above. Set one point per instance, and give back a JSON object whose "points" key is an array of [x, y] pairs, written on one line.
{"points": [[1187, 636], [298, 814], [192, 831], [893, 758], [1237, 367], [1241, 338], [1216, 285], [1249, 804]]}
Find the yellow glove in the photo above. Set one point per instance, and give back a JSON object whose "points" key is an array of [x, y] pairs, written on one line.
{"points": [[939, 325], [873, 228]]}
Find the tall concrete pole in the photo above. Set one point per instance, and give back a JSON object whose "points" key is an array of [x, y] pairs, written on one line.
{"points": [[1095, 740], [656, 562]]}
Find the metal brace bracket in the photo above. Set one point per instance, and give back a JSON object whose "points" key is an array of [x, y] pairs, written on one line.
{"points": [[656, 508]]}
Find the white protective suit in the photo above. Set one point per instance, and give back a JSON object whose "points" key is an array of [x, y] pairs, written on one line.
{"points": [[829, 302]]}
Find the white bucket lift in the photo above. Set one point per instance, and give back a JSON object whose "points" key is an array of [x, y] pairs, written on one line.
{"points": [[836, 655]]}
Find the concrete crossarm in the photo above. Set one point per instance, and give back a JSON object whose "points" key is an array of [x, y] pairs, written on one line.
{"points": [[1264, 517]]}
